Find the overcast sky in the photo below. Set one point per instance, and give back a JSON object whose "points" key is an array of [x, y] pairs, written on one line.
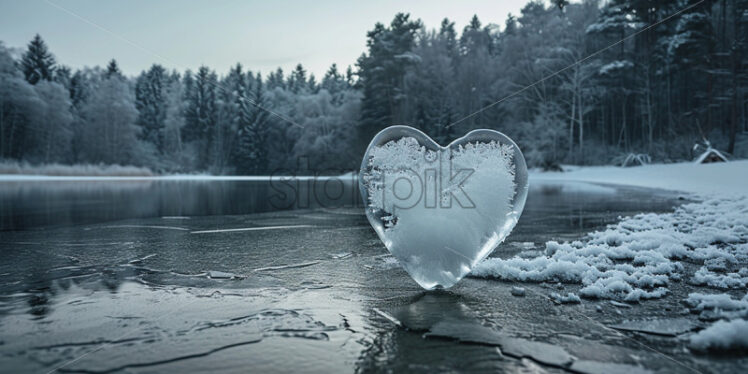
{"points": [[183, 34]]}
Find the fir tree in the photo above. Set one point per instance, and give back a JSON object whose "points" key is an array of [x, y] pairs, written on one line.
{"points": [[297, 81], [252, 151], [311, 84], [151, 103], [38, 63], [382, 72], [350, 76], [448, 35], [335, 84], [112, 70], [63, 76], [276, 79], [200, 113], [78, 89]]}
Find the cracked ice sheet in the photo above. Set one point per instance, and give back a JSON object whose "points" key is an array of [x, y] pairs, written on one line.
{"points": [[637, 258], [444, 316], [165, 336]]}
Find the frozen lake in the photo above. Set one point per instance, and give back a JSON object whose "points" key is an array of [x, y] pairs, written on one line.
{"points": [[192, 276]]}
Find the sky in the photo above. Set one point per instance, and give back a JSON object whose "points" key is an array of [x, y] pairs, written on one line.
{"points": [[184, 34]]}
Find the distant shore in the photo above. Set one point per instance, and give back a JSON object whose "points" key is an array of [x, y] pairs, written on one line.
{"points": [[15, 168]]}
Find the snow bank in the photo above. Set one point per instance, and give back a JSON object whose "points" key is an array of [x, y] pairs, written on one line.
{"points": [[722, 335], [707, 179], [641, 255], [716, 306]]}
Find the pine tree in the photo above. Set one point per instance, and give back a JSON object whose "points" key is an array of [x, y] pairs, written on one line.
{"points": [[335, 84], [350, 76], [252, 151], [474, 39], [173, 123], [37, 63], [151, 103], [382, 74], [200, 113], [276, 79], [63, 76], [311, 84], [78, 89], [510, 25], [297, 81], [560, 4], [448, 35], [112, 70]]}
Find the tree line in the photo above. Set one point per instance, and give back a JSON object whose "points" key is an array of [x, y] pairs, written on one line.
{"points": [[579, 83]]}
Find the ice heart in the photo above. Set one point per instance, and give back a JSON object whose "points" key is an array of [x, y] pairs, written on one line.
{"points": [[441, 210]]}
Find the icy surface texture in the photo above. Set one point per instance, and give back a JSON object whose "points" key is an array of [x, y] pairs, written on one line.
{"points": [[441, 210]]}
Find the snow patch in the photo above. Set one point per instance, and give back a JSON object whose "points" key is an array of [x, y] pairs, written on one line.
{"points": [[569, 298], [640, 256], [722, 336]]}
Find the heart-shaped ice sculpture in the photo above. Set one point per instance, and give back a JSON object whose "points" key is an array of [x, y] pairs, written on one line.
{"points": [[441, 210]]}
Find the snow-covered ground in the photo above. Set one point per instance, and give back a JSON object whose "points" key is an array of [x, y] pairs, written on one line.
{"points": [[719, 179], [639, 257]]}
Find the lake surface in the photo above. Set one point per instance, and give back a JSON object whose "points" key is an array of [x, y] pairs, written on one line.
{"points": [[193, 276]]}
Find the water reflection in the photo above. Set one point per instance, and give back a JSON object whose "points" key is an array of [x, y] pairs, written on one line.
{"points": [[407, 348], [35, 204]]}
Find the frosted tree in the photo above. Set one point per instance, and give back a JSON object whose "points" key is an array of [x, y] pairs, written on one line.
{"points": [[112, 70], [312, 85], [173, 148], [18, 100], [382, 74], [79, 89], [109, 132], [201, 113], [326, 139], [37, 62], [540, 138], [63, 75], [252, 148], [52, 132], [429, 86], [477, 75], [151, 104], [657, 92], [297, 81], [692, 46], [231, 93], [577, 89], [335, 84], [276, 79]]}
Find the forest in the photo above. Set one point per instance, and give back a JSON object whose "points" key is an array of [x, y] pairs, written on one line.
{"points": [[573, 83]]}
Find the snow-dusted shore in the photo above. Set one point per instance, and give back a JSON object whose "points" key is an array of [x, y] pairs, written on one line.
{"points": [[717, 179], [639, 257]]}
